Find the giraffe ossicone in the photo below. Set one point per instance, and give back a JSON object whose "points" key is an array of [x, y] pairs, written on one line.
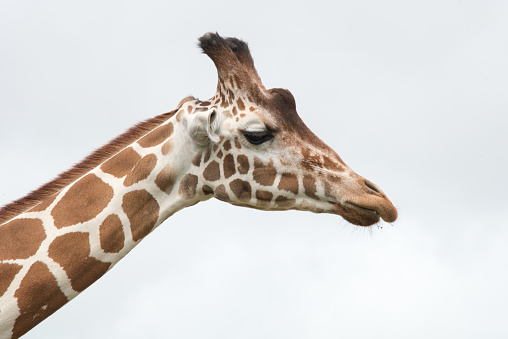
{"points": [[246, 146]]}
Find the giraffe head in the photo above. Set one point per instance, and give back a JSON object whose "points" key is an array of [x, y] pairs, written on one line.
{"points": [[252, 148]]}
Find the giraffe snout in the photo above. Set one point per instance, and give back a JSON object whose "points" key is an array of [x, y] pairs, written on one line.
{"points": [[364, 203], [372, 187], [375, 200]]}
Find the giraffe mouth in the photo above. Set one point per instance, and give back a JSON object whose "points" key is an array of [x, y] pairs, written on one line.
{"points": [[367, 212], [358, 215]]}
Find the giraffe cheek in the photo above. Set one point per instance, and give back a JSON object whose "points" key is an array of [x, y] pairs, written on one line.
{"points": [[212, 171], [289, 182], [241, 189], [264, 174], [243, 164], [309, 186], [229, 166]]}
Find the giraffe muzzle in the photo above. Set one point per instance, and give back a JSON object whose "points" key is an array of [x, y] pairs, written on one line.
{"points": [[367, 206]]}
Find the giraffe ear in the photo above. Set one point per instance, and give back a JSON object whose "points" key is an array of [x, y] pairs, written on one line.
{"points": [[204, 127]]}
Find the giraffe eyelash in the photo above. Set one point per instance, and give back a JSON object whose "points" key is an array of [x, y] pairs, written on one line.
{"points": [[257, 137]]}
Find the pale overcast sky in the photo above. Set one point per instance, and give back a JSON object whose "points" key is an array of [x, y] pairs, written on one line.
{"points": [[412, 95]]}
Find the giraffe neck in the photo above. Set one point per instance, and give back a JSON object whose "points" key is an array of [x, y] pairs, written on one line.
{"points": [[56, 249]]}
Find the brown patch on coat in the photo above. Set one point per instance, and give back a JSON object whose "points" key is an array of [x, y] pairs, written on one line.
{"points": [[157, 136], [93, 160], [7, 274], [235, 111], [111, 234], [241, 189], [227, 145], [332, 165], [212, 171], [229, 165], [142, 170], [72, 252], [208, 153], [44, 204], [167, 147], [240, 104], [284, 202], [311, 159], [196, 161], [289, 182], [263, 198], [264, 174], [166, 179], [243, 164], [83, 201], [21, 238], [188, 186], [309, 186], [207, 190], [38, 297], [221, 193], [238, 145], [122, 163], [220, 154], [142, 210]]}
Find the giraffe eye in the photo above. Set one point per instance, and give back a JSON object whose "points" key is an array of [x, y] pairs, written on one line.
{"points": [[258, 137]]}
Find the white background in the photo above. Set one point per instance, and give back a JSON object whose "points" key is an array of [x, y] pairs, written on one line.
{"points": [[411, 94]]}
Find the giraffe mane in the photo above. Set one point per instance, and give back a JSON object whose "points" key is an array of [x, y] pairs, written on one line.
{"points": [[21, 205]]}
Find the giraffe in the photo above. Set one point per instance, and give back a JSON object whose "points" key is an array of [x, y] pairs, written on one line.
{"points": [[246, 146]]}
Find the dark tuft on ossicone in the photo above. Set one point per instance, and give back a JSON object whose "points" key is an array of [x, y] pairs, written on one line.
{"points": [[233, 60], [210, 41]]}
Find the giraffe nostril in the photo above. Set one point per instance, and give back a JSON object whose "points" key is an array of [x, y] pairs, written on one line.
{"points": [[372, 186]]}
